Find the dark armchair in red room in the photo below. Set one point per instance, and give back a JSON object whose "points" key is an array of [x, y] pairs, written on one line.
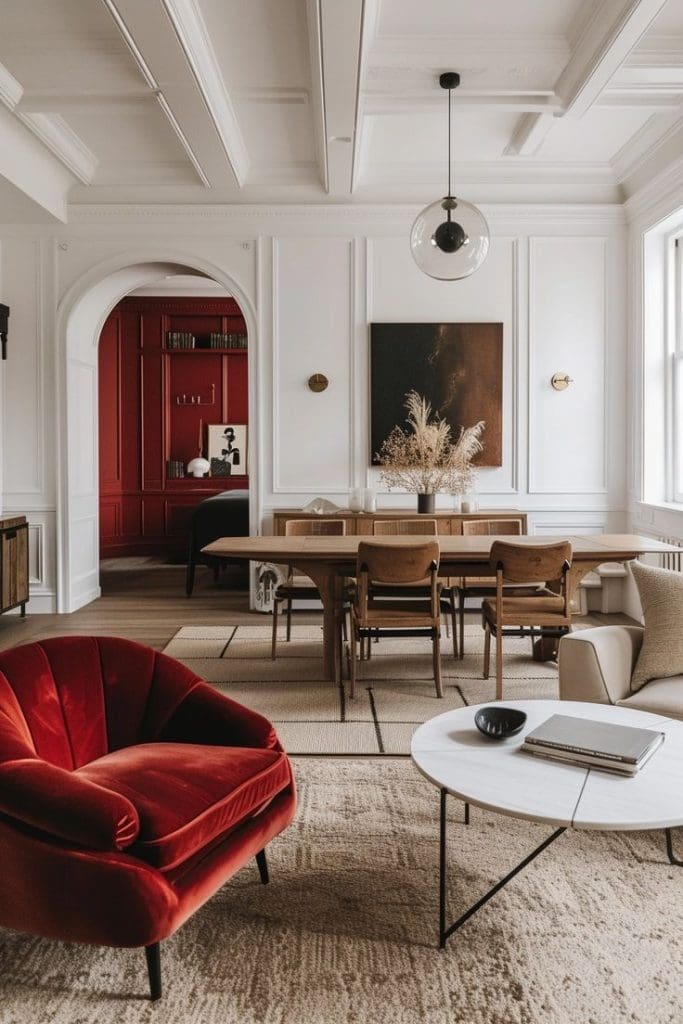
{"points": [[130, 791]]}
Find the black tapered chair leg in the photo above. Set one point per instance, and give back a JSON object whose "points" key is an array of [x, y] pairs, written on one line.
{"points": [[153, 955], [262, 866], [189, 576]]}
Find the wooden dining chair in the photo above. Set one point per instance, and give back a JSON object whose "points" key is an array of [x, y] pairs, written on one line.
{"points": [[298, 587], [545, 613], [388, 564], [420, 526], [478, 586]]}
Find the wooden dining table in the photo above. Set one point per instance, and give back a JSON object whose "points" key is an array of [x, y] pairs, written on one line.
{"points": [[327, 560]]}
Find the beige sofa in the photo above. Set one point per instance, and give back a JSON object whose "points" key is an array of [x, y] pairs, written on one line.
{"points": [[596, 665]]}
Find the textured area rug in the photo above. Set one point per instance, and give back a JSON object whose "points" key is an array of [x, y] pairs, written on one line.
{"points": [[394, 692], [345, 933]]}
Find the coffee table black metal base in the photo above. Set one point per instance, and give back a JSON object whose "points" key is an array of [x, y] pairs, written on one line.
{"points": [[445, 931]]}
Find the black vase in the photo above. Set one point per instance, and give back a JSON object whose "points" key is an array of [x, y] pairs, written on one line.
{"points": [[425, 504]]}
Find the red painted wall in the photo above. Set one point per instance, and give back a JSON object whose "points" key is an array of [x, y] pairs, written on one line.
{"points": [[146, 417]]}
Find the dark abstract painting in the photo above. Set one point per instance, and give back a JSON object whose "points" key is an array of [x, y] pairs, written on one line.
{"points": [[457, 367]]}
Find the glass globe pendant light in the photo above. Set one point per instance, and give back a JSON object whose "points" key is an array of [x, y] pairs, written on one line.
{"points": [[450, 238]]}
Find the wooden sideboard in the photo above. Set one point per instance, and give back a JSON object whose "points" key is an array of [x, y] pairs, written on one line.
{"points": [[13, 563], [357, 523]]}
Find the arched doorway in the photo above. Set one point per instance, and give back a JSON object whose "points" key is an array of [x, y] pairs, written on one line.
{"points": [[81, 316]]}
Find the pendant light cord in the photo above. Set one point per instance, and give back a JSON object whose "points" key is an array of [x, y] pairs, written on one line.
{"points": [[450, 93]]}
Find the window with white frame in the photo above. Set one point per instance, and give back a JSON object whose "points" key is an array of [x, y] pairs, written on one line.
{"points": [[675, 346]]}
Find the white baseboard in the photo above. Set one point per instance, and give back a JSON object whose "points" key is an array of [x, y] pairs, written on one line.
{"points": [[38, 604]]}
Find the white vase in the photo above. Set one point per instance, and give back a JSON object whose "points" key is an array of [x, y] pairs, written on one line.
{"points": [[356, 500], [198, 467], [369, 500]]}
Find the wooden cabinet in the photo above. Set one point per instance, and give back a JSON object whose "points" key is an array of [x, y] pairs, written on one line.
{"points": [[13, 563], [358, 523], [154, 402]]}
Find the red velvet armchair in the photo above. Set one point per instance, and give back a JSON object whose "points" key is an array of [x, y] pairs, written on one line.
{"points": [[130, 791]]}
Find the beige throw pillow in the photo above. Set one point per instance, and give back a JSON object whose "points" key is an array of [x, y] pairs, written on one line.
{"points": [[661, 595]]}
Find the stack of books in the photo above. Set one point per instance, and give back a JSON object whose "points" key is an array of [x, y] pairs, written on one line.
{"points": [[180, 339], [605, 745]]}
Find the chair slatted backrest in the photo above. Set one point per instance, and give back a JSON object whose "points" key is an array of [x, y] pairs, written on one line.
{"points": [[393, 563], [315, 528], [405, 527], [492, 528], [531, 563]]}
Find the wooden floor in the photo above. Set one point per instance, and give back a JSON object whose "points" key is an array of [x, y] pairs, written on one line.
{"points": [[149, 605]]}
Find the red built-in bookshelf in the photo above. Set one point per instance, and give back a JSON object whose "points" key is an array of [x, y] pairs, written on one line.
{"points": [[147, 417]]}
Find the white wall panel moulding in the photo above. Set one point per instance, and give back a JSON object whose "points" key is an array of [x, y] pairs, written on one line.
{"points": [[568, 274]]}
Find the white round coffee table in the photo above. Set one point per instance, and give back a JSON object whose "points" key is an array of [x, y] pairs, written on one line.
{"points": [[495, 774]]}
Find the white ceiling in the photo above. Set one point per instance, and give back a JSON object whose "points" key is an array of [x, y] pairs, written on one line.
{"points": [[338, 100]]}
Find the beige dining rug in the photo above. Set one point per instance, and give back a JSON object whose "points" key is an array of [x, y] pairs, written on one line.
{"points": [[394, 691], [345, 933]]}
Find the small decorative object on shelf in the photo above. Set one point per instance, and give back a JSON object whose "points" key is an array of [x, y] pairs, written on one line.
{"points": [[356, 499], [228, 449], [180, 339], [369, 499], [321, 507], [424, 460], [208, 399], [198, 466], [175, 469]]}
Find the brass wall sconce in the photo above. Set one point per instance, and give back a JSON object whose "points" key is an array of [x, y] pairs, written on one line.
{"points": [[4, 318], [561, 381], [318, 382]]}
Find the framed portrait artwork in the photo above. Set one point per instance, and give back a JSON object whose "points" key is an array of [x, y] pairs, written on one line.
{"points": [[227, 449]]}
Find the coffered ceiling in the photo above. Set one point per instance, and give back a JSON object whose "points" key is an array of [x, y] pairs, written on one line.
{"points": [[338, 100]]}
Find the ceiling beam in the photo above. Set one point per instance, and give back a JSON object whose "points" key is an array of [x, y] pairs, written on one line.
{"points": [[11, 91], [315, 63], [31, 169], [605, 41], [341, 32], [368, 34], [170, 44], [603, 46], [194, 38], [59, 137], [529, 133]]}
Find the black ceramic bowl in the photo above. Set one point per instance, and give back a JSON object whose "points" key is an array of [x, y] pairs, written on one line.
{"points": [[498, 722]]}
